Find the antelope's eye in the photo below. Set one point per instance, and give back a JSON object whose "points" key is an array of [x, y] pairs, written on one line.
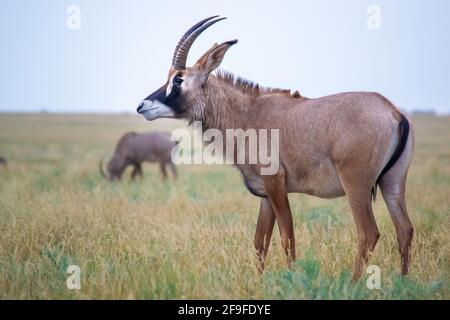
{"points": [[178, 80]]}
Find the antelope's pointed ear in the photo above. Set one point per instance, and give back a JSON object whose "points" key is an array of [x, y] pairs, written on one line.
{"points": [[213, 57]]}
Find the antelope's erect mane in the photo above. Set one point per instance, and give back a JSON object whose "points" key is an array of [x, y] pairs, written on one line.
{"points": [[252, 88]]}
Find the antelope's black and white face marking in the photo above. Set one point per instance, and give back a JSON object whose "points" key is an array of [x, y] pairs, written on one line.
{"points": [[166, 102]]}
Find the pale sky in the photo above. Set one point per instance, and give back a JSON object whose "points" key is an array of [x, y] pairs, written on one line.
{"points": [[123, 50]]}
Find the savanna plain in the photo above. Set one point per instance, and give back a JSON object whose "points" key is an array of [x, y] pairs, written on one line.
{"points": [[193, 238]]}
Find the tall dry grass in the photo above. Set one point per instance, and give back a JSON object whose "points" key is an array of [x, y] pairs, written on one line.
{"points": [[193, 238]]}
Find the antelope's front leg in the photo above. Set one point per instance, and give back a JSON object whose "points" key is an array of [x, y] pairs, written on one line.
{"points": [[264, 229], [276, 190]]}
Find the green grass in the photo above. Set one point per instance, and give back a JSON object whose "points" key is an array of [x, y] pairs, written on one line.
{"points": [[307, 281], [193, 238]]}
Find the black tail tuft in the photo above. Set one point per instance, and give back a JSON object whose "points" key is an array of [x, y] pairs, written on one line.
{"points": [[403, 128]]}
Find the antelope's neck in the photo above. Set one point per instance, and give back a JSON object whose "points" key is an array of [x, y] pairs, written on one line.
{"points": [[225, 106]]}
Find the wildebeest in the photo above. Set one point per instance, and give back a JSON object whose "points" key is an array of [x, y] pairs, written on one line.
{"points": [[134, 148], [3, 161], [343, 144]]}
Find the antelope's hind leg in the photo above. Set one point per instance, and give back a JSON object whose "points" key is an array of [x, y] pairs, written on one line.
{"points": [[392, 186], [162, 167], [359, 196], [393, 192]]}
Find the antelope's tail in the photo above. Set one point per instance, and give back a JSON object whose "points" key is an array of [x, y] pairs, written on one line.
{"points": [[403, 131]]}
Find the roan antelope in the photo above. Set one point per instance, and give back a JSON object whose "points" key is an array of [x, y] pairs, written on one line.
{"points": [[343, 144], [134, 148]]}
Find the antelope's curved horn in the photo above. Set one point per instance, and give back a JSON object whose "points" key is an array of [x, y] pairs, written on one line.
{"points": [[187, 34], [186, 41]]}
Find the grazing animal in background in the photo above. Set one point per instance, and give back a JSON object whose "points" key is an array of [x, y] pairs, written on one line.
{"points": [[3, 161], [342, 144], [134, 148]]}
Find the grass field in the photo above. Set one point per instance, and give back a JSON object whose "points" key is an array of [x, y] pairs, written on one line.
{"points": [[193, 238]]}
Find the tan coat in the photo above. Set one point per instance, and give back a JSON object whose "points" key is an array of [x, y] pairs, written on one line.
{"points": [[346, 143]]}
